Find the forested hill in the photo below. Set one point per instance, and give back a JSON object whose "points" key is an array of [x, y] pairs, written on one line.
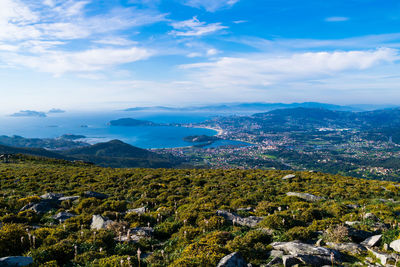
{"points": [[93, 216]]}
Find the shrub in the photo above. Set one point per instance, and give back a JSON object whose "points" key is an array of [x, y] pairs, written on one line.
{"points": [[337, 234], [13, 240]]}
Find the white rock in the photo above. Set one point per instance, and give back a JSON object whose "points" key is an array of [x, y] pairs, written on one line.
{"points": [[99, 222], [395, 245], [372, 241]]}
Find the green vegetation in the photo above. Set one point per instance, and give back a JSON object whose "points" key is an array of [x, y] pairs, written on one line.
{"points": [[181, 211]]}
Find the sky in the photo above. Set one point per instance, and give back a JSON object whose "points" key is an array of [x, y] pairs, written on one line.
{"points": [[109, 54]]}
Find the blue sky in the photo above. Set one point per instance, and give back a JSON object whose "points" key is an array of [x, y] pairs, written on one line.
{"points": [[83, 54]]}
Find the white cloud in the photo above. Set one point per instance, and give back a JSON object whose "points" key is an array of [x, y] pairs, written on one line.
{"points": [[210, 5], [194, 27], [58, 63], [336, 19], [264, 70]]}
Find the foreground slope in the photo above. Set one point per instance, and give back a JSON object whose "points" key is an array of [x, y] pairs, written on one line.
{"points": [[184, 216]]}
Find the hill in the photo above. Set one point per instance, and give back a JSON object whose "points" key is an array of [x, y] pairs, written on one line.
{"points": [[32, 151], [95, 216], [118, 154]]}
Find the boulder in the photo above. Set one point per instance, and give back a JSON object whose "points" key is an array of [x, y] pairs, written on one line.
{"points": [[349, 223], [63, 216], [95, 195], [16, 261], [251, 221], [71, 198], [358, 235], [298, 248], [383, 257], [45, 205], [395, 245], [51, 196], [372, 241], [288, 177], [141, 210], [232, 260], [305, 196], [347, 247], [99, 222]]}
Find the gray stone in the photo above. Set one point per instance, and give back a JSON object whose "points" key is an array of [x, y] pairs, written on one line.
{"points": [[289, 260], [395, 245], [71, 198], [63, 216], [319, 242], [383, 257], [16, 261], [232, 260], [51, 196], [276, 253], [358, 235], [45, 205], [141, 210], [288, 177], [305, 196], [251, 221], [298, 248], [100, 222], [372, 241], [95, 195], [351, 223], [348, 247]]}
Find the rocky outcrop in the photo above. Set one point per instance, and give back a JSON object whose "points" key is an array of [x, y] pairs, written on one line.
{"points": [[352, 248], [134, 235], [63, 216], [45, 205], [305, 196], [232, 260], [370, 216], [16, 261], [301, 253], [70, 198], [95, 195], [288, 177], [372, 241], [251, 221], [383, 257], [99, 222], [51, 196], [141, 210]]}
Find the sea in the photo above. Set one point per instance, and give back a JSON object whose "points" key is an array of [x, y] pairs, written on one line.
{"points": [[95, 127]]}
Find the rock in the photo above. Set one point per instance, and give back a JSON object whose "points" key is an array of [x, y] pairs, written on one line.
{"points": [[395, 245], [43, 206], [351, 223], [289, 260], [385, 247], [372, 241], [95, 195], [71, 198], [276, 253], [232, 260], [251, 221], [16, 261], [99, 222], [298, 248], [143, 231], [51, 196], [63, 216], [305, 196], [383, 257], [288, 177], [141, 210], [348, 247], [370, 216]]}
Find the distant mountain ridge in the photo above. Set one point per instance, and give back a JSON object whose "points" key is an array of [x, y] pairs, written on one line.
{"points": [[262, 107]]}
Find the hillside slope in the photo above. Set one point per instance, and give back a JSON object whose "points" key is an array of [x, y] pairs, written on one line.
{"points": [[192, 217]]}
